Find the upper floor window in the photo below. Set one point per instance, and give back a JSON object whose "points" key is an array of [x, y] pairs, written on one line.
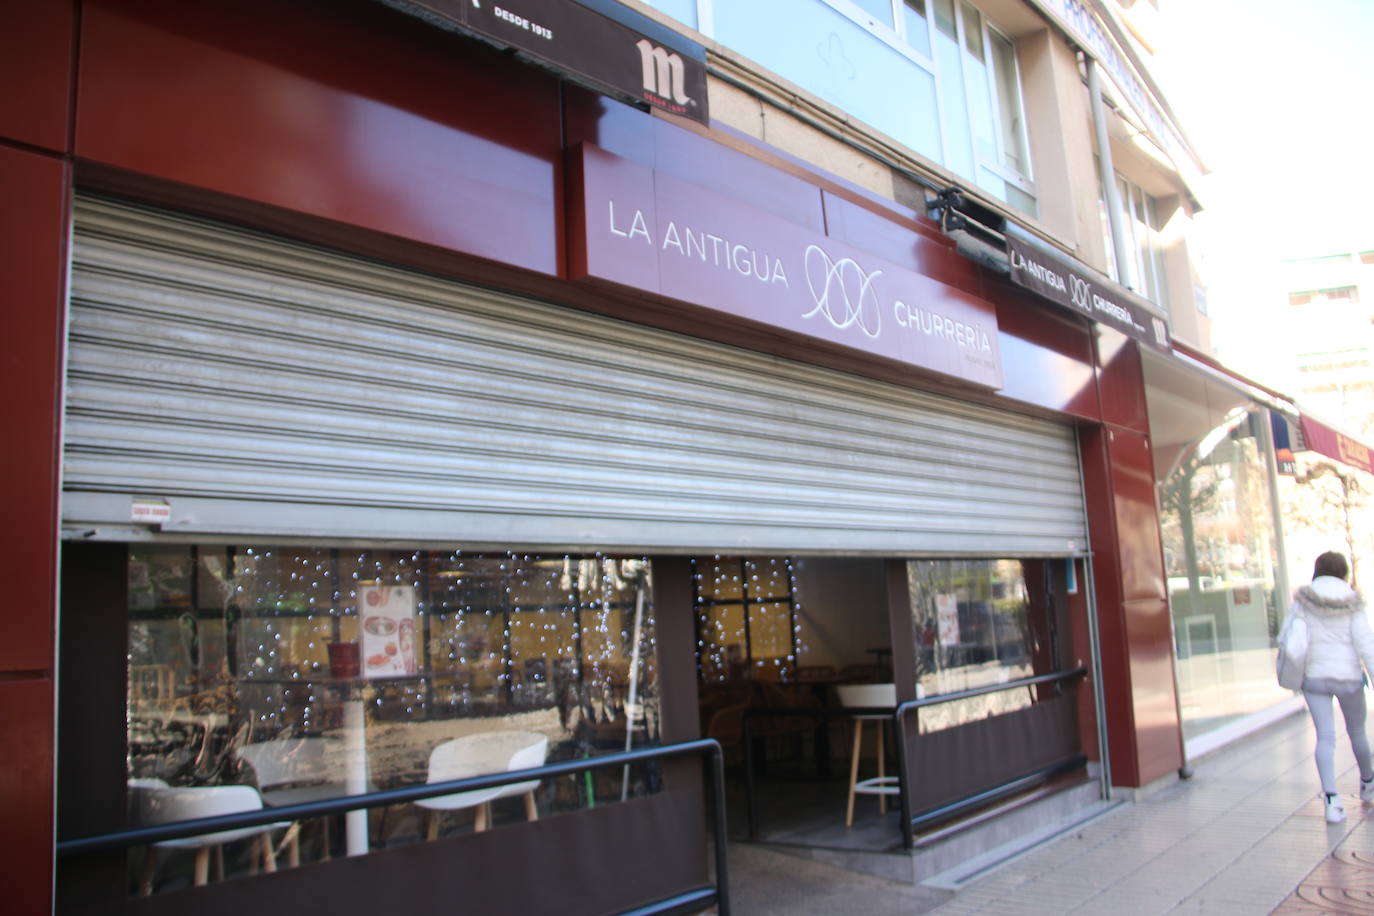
{"points": [[934, 75], [1336, 294], [1141, 224], [980, 94]]}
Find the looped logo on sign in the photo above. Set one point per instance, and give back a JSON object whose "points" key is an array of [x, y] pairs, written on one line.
{"points": [[843, 283], [1079, 292]]}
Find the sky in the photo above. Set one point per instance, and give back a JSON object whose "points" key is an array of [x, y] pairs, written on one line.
{"points": [[1276, 97]]}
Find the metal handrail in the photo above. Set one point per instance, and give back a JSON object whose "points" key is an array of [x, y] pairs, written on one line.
{"points": [[899, 730], [702, 747]]}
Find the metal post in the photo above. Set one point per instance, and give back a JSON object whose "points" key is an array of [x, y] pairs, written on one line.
{"points": [[1124, 263], [1266, 438], [1099, 699]]}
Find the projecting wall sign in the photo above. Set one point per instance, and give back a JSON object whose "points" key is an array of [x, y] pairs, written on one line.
{"points": [[1059, 282], [590, 46], [649, 230]]}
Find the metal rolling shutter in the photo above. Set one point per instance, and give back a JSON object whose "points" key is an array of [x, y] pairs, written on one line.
{"points": [[271, 389]]}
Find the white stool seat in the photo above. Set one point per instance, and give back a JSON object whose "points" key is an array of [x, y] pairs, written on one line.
{"points": [[858, 696]]}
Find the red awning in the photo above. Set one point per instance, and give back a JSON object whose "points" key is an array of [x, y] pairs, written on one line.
{"points": [[1333, 443]]}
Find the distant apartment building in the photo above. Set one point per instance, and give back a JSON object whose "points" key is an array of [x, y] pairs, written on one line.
{"points": [[1330, 322]]}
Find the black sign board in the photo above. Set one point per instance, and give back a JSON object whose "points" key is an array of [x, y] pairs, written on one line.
{"points": [[1074, 288], [591, 43]]}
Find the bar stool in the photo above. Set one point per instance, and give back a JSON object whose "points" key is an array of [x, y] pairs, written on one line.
{"points": [[869, 695]]}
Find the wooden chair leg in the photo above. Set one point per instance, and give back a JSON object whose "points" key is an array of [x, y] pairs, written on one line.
{"points": [[483, 817], [853, 770], [882, 770], [219, 863], [324, 839], [292, 844], [531, 811], [269, 855], [145, 883], [202, 866], [431, 825]]}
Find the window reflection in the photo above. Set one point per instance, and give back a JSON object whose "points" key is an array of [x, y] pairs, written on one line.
{"points": [[1217, 527], [364, 661], [979, 623]]}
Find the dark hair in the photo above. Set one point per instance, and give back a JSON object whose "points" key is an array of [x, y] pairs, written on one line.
{"points": [[1331, 564]]}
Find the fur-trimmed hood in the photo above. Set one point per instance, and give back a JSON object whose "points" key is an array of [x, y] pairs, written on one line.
{"points": [[1328, 596]]}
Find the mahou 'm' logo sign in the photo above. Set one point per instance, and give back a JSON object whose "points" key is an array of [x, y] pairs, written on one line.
{"points": [[663, 72]]}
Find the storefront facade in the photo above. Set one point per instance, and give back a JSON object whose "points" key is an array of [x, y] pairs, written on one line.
{"points": [[316, 306]]}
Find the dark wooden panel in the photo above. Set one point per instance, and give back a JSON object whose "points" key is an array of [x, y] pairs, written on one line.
{"points": [[902, 628], [956, 763], [92, 691], [675, 626], [343, 111], [36, 71], [32, 260], [606, 860]]}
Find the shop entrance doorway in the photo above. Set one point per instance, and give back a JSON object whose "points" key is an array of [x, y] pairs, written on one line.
{"points": [[802, 663]]}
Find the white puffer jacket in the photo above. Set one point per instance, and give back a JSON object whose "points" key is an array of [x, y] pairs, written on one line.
{"points": [[1339, 638]]}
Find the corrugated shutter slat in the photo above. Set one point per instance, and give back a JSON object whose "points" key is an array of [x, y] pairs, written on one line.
{"points": [[271, 389]]}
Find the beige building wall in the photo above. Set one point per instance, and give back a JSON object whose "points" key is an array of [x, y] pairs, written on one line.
{"points": [[768, 107]]}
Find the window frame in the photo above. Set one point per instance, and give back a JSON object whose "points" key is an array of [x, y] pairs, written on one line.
{"points": [[1138, 207], [893, 33]]}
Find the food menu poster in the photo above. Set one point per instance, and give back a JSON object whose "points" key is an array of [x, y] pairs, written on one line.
{"points": [[387, 615], [947, 619]]}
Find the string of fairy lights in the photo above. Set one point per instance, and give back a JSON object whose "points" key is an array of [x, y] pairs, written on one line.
{"points": [[499, 631], [742, 602]]}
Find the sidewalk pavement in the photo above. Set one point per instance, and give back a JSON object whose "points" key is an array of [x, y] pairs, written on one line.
{"points": [[1246, 835]]}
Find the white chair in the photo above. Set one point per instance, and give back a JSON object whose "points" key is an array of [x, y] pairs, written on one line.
{"points": [[883, 696], [155, 804], [481, 755], [294, 770]]}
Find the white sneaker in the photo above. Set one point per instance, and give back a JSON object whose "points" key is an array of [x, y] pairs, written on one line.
{"points": [[1367, 790], [1335, 809]]}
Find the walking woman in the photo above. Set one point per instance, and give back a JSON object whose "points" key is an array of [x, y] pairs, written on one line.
{"points": [[1339, 639]]}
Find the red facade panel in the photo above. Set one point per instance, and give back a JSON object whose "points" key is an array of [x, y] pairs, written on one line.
{"points": [[33, 262], [36, 71], [1046, 360], [903, 241], [1137, 517], [1134, 627], [26, 794], [1113, 646], [1121, 388], [362, 118], [1159, 738]]}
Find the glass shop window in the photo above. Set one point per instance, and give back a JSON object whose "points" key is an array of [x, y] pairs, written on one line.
{"points": [[979, 623], [747, 618], [311, 673]]}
